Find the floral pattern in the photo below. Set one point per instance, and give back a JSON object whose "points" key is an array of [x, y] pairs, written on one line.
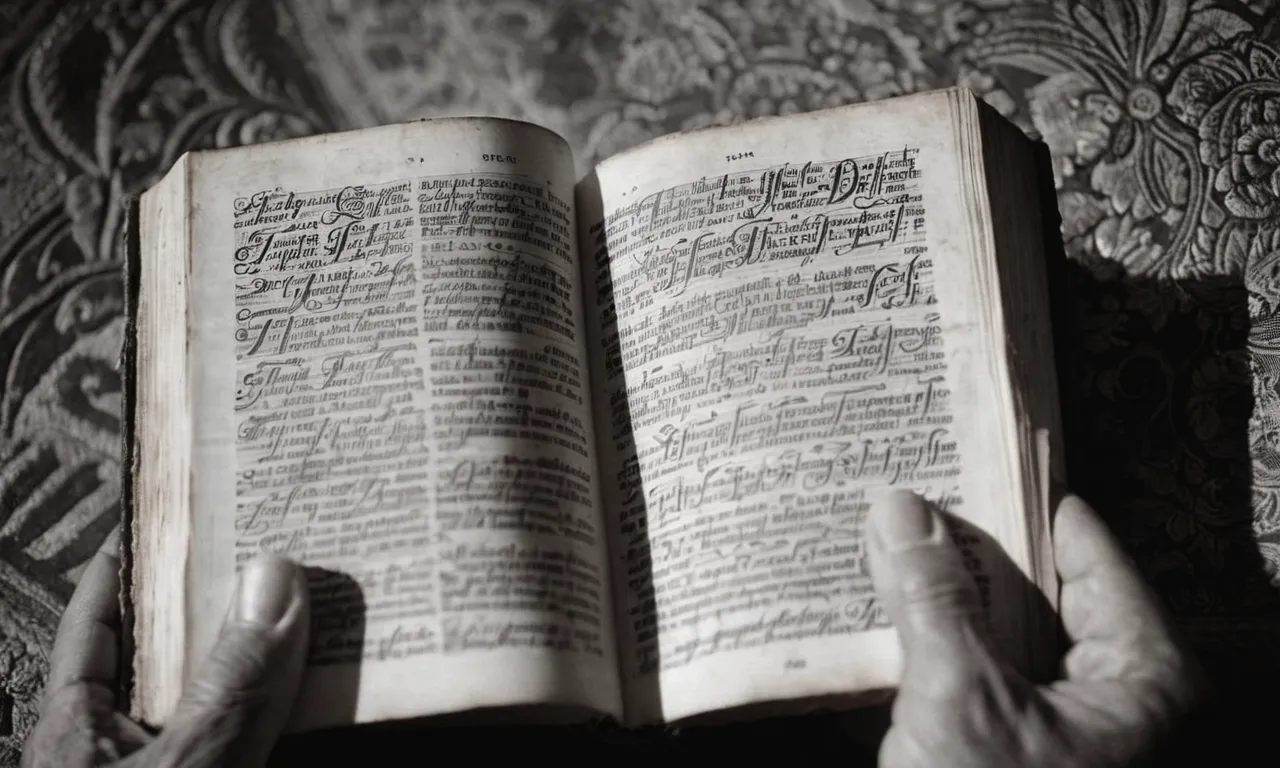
{"points": [[1162, 118], [1158, 116]]}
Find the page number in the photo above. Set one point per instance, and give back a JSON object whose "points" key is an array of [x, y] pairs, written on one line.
{"points": [[794, 664]]}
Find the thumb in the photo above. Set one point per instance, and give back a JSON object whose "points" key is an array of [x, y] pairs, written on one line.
{"points": [[234, 709], [929, 596]]}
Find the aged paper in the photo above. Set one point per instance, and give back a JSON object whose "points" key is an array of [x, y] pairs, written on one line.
{"points": [[391, 388], [789, 326]]}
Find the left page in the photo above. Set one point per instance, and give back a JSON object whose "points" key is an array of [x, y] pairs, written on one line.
{"points": [[387, 367]]}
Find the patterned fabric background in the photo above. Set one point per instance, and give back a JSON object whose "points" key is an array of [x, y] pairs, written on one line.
{"points": [[1162, 116]]}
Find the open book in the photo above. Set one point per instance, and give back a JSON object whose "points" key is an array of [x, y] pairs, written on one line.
{"points": [[598, 447]]}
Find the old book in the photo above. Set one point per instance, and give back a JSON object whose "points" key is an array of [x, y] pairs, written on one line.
{"points": [[595, 447]]}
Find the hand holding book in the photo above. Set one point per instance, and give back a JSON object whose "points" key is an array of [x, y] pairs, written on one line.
{"points": [[1128, 679], [232, 711]]}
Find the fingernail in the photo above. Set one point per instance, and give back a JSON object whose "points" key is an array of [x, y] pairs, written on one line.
{"points": [[902, 520], [267, 589]]}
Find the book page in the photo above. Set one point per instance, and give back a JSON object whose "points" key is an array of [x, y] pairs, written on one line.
{"points": [[789, 325], [388, 361]]}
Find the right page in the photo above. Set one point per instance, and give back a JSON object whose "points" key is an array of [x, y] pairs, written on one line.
{"points": [[793, 315]]}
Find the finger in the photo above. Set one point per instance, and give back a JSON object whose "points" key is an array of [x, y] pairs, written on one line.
{"points": [[80, 726], [1119, 629], [1103, 596], [86, 647], [929, 596], [235, 708]]}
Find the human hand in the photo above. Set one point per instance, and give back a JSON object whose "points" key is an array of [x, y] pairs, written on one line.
{"points": [[1126, 681], [232, 711]]}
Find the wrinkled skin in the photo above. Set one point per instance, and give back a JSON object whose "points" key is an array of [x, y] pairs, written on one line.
{"points": [[233, 711], [1126, 681]]}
